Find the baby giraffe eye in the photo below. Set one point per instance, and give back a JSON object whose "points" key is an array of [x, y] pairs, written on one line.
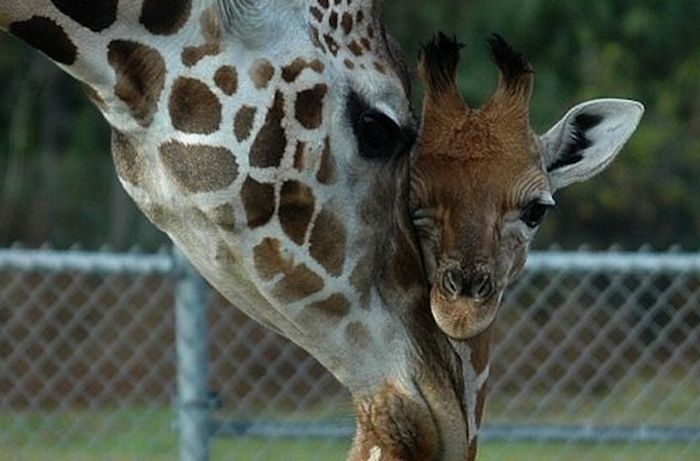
{"points": [[534, 213]]}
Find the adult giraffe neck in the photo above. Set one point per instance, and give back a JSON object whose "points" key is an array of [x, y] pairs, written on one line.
{"points": [[254, 161]]}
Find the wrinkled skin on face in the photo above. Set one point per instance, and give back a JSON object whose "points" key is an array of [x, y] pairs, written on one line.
{"points": [[482, 180]]}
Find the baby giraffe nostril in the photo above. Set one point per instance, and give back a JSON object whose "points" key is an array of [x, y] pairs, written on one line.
{"points": [[484, 287], [452, 283], [480, 287]]}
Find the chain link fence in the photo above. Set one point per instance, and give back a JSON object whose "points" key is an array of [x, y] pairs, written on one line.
{"points": [[597, 357]]}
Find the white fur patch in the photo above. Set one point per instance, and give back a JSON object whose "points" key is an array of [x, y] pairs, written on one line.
{"points": [[375, 454]]}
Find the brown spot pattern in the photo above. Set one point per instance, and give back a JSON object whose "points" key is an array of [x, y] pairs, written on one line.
{"points": [[299, 160], [270, 143], [268, 259], [327, 242], [191, 55], [140, 72], [326, 172], [403, 263], [99, 16], [297, 204], [126, 159], [48, 37], [346, 23], [309, 106], [357, 335], [211, 31], [361, 279], [258, 201], [355, 48], [331, 309], [225, 217], [199, 168], [194, 108], [293, 70], [243, 123], [226, 78], [316, 13], [332, 44], [261, 73], [297, 284], [165, 18]]}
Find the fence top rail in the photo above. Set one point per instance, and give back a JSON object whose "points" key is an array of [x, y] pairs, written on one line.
{"points": [[90, 262], [26, 260], [613, 261]]}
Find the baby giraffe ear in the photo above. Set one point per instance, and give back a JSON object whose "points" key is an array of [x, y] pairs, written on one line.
{"points": [[588, 138]]}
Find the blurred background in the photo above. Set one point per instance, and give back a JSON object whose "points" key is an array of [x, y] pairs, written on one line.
{"points": [[596, 358], [56, 169]]}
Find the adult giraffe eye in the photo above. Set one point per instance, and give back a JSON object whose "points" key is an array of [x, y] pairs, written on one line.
{"points": [[533, 213], [377, 135]]}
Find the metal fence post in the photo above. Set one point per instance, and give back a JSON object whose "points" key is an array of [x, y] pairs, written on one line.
{"points": [[192, 362]]}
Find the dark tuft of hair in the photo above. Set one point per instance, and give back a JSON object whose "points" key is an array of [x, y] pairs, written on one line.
{"points": [[578, 141], [514, 67], [439, 58]]}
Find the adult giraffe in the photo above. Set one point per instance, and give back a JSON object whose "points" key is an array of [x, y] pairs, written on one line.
{"points": [[481, 184], [270, 140]]}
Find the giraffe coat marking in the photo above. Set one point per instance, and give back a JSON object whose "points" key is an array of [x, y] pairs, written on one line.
{"points": [[194, 108], [165, 18], [48, 37], [99, 16], [199, 168], [140, 72], [258, 201]]}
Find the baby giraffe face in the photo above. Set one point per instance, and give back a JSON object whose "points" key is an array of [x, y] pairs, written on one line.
{"points": [[482, 180]]}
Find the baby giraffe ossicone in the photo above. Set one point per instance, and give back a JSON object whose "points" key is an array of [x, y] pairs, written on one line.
{"points": [[481, 184]]}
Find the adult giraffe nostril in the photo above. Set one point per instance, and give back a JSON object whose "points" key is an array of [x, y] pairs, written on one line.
{"points": [[452, 283]]}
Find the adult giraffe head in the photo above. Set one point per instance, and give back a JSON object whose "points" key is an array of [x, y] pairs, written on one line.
{"points": [[483, 181]]}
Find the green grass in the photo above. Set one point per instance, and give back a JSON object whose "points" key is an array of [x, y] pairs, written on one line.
{"points": [[145, 434]]}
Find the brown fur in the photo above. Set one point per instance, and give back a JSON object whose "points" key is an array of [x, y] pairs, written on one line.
{"points": [[199, 168], [126, 159], [258, 201], [261, 73], [270, 143], [165, 18], [474, 168], [243, 122], [309, 106], [140, 77], [48, 37], [396, 424], [297, 204], [226, 78], [328, 242], [194, 108]]}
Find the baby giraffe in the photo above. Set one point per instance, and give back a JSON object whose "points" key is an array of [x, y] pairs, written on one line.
{"points": [[481, 184]]}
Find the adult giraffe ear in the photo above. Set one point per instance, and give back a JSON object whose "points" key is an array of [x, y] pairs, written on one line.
{"points": [[588, 138]]}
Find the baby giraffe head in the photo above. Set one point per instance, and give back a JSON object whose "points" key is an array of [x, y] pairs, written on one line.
{"points": [[482, 180]]}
